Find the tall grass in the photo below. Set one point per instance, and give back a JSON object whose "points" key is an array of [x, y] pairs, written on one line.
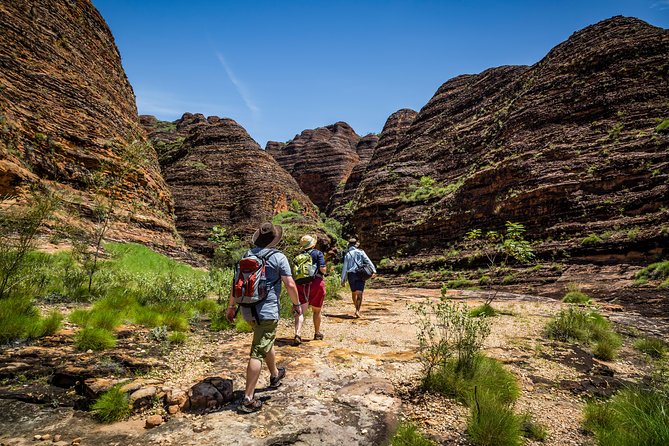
{"points": [[634, 416], [654, 347], [585, 326], [491, 421], [20, 319], [93, 338], [112, 406], [407, 434]]}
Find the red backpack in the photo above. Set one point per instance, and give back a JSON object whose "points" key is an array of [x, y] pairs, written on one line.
{"points": [[249, 285]]}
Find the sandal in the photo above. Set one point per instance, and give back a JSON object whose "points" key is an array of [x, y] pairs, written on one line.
{"points": [[297, 340], [275, 381], [249, 406]]}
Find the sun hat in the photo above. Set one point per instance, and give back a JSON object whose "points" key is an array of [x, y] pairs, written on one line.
{"points": [[267, 236], [353, 242], [307, 242]]}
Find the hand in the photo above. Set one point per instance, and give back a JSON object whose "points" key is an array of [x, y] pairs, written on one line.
{"points": [[373, 276], [297, 309], [230, 314]]}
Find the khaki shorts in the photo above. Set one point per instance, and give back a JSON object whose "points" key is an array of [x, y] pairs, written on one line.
{"points": [[264, 334]]}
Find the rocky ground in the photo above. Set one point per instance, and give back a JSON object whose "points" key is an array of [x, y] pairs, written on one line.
{"points": [[350, 388]]}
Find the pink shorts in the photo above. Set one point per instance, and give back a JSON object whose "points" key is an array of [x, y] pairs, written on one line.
{"points": [[313, 292]]}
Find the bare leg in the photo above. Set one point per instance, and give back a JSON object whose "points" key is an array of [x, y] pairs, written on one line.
{"points": [[354, 298], [358, 303], [252, 375], [299, 319], [270, 359], [317, 319]]}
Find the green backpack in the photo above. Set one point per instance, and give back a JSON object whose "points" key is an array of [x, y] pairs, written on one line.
{"points": [[304, 269]]}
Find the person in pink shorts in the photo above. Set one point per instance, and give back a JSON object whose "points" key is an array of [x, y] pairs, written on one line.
{"points": [[312, 293]]}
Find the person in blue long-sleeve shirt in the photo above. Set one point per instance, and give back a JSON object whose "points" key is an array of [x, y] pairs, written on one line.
{"points": [[354, 259]]}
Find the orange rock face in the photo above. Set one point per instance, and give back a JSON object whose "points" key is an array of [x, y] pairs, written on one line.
{"points": [[220, 176], [67, 112], [570, 146]]}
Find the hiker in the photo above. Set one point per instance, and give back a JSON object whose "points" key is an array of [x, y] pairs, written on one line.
{"points": [[357, 268], [256, 294], [309, 267]]}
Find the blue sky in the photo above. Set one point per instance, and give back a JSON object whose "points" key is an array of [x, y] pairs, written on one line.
{"points": [[279, 67]]}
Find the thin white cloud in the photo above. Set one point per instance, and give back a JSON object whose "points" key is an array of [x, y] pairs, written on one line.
{"points": [[241, 88], [662, 5]]}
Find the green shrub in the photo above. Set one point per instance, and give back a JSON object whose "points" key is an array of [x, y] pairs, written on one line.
{"points": [[94, 339], [586, 326], [663, 126], [218, 320], [333, 287], [488, 375], [576, 297], [654, 347], [177, 337], [483, 310], [206, 306], [175, 321], [241, 326], [112, 406], [103, 318], [532, 430], [455, 284], [634, 416], [591, 239], [491, 422], [407, 434], [51, 323], [658, 271]]}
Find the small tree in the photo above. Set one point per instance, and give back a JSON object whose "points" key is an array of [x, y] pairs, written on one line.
{"points": [[18, 229], [446, 330], [498, 248], [229, 247], [103, 184]]}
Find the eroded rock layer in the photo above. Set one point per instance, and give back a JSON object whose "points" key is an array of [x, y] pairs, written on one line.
{"points": [[571, 146], [68, 114], [320, 159], [219, 175]]}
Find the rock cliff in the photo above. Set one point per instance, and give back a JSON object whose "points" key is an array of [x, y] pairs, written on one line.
{"points": [[68, 114], [219, 175], [320, 160], [574, 146]]}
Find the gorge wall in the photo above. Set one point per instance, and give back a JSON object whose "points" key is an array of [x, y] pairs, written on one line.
{"points": [[573, 146], [68, 114], [219, 175], [321, 160]]}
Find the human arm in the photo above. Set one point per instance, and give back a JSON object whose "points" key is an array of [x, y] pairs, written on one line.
{"points": [[344, 270], [291, 289], [232, 308], [320, 262]]}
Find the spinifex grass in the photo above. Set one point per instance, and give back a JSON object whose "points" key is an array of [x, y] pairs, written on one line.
{"points": [[634, 416], [92, 338], [407, 434], [654, 347], [576, 297], [111, 406], [586, 326], [20, 319]]}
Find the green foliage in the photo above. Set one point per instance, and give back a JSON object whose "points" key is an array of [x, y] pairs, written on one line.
{"points": [[333, 287], [663, 127], [427, 189], [532, 430], [654, 347], [18, 228], [177, 338], [295, 206], [20, 319], [91, 338], [491, 422], [483, 310], [112, 406], [634, 416], [446, 330], [585, 326], [576, 297], [614, 132], [229, 247], [407, 434], [486, 374], [591, 239], [455, 284], [241, 326], [655, 271]]}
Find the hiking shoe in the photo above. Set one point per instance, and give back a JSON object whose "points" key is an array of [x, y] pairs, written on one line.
{"points": [[297, 340], [275, 381], [249, 406], [318, 337]]}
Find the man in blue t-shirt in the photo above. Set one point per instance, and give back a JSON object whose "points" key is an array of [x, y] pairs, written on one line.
{"points": [[264, 317], [354, 258]]}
